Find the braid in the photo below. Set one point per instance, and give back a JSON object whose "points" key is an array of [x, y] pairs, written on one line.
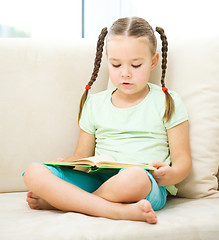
{"points": [[169, 101], [97, 62], [98, 58], [164, 53]]}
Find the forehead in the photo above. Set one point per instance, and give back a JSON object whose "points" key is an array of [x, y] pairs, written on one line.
{"points": [[120, 46]]}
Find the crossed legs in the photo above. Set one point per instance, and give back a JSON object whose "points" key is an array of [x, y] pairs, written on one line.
{"points": [[120, 197]]}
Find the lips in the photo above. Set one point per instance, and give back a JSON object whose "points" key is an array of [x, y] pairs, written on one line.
{"points": [[127, 84]]}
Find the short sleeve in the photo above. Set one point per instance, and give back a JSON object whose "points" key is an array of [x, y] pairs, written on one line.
{"points": [[86, 122], [180, 114]]}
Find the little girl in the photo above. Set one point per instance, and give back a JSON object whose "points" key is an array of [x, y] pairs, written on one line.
{"points": [[135, 122]]}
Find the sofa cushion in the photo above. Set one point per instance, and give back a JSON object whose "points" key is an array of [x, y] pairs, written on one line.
{"points": [[180, 219]]}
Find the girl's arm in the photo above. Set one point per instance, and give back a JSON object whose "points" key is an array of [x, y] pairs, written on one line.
{"points": [[85, 148], [178, 138], [85, 145]]}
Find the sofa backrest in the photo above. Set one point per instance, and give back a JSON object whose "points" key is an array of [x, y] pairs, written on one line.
{"points": [[41, 84]]}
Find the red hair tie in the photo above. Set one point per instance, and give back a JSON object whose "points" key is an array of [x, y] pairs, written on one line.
{"points": [[165, 89], [88, 87]]}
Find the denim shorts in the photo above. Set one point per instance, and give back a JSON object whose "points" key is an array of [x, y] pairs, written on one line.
{"points": [[90, 182]]}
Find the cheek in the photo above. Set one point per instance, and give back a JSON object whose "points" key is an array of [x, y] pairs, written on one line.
{"points": [[146, 71], [113, 78], [142, 76], [113, 74]]}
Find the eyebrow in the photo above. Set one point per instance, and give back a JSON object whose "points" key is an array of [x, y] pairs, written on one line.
{"points": [[134, 59]]}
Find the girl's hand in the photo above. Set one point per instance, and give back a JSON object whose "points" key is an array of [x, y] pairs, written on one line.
{"points": [[163, 173], [59, 160], [68, 159]]}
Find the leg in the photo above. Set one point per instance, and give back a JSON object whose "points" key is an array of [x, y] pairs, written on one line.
{"points": [[132, 185], [67, 197], [129, 185], [85, 181]]}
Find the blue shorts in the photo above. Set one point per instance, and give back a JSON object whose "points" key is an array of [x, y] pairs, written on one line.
{"points": [[90, 182]]}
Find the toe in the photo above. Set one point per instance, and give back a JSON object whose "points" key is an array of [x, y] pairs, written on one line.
{"points": [[32, 202], [151, 218], [32, 206], [32, 195], [29, 194]]}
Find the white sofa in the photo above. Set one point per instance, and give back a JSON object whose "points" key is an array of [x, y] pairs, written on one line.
{"points": [[40, 86]]}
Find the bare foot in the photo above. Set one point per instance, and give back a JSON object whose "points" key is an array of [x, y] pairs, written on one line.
{"points": [[141, 211], [38, 203]]}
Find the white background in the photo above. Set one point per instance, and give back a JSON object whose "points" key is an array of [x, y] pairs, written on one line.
{"points": [[61, 19]]}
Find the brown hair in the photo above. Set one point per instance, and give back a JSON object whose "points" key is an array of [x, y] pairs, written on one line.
{"points": [[136, 27], [97, 62]]}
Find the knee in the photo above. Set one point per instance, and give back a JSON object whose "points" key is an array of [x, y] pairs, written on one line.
{"points": [[135, 181], [33, 173]]}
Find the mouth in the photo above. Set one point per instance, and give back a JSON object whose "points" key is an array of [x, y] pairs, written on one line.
{"points": [[126, 84]]}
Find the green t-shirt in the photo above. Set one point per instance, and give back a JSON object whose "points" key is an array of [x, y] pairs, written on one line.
{"points": [[136, 134]]}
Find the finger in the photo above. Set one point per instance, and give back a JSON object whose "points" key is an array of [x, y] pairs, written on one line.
{"points": [[158, 173], [60, 159], [157, 164]]}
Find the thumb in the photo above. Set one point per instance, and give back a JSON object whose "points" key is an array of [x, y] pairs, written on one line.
{"points": [[60, 160], [157, 164]]}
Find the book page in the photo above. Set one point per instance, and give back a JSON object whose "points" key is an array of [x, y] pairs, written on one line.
{"points": [[100, 158]]}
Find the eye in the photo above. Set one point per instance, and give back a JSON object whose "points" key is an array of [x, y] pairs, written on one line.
{"points": [[136, 66], [116, 65]]}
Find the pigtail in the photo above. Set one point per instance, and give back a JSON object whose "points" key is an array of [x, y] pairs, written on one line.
{"points": [[97, 62], [170, 108]]}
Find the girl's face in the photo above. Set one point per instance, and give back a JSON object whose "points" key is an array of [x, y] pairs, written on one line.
{"points": [[130, 63]]}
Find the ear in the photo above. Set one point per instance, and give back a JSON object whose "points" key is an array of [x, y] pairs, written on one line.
{"points": [[155, 59]]}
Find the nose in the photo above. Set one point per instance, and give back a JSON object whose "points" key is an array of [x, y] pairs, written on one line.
{"points": [[126, 73]]}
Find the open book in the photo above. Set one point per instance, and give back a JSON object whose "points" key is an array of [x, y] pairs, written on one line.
{"points": [[97, 163]]}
